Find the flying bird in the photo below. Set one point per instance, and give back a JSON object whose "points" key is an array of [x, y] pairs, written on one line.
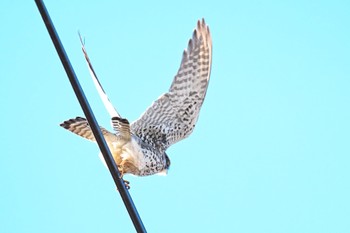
{"points": [[140, 148]]}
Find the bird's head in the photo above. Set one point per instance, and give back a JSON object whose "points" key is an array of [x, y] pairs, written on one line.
{"points": [[164, 172]]}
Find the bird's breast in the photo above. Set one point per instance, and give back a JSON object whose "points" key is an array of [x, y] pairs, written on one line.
{"points": [[137, 158]]}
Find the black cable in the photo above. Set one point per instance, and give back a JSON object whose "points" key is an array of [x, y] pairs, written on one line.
{"points": [[129, 204]]}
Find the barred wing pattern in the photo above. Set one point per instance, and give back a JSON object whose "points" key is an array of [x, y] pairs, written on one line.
{"points": [[172, 117], [80, 126]]}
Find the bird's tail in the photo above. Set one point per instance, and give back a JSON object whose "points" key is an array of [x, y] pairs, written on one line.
{"points": [[80, 126]]}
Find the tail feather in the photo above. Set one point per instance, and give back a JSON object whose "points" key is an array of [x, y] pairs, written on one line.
{"points": [[80, 126]]}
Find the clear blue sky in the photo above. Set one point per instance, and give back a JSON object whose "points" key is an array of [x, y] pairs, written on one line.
{"points": [[271, 150]]}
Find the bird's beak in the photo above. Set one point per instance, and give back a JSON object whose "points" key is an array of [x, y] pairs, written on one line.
{"points": [[164, 172]]}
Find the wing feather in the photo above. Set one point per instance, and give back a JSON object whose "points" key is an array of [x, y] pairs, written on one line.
{"points": [[107, 103], [80, 126], [172, 117]]}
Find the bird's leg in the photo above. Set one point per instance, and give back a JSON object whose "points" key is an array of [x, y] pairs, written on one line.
{"points": [[126, 183]]}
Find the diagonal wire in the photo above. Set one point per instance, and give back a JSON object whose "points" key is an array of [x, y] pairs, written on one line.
{"points": [[91, 119]]}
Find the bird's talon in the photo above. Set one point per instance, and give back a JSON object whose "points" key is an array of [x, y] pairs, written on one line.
{"points": [[127, 185]]}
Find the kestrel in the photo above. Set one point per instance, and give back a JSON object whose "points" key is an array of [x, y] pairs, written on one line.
{"points": [[140, 148]]}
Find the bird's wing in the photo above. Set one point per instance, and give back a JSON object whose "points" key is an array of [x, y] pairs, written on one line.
{"points": [[107, 103], [172, 117], [80, 126]]}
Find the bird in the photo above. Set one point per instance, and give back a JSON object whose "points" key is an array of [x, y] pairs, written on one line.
{"points": [[140, 148]]}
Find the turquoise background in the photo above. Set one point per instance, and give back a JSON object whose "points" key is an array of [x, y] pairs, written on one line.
{"points": [[270, 152]]}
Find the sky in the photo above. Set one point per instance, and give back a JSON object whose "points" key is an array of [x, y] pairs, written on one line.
{"points": [[270, 152]]}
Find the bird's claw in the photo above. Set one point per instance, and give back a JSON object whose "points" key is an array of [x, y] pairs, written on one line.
{"points": [[126, 183]]}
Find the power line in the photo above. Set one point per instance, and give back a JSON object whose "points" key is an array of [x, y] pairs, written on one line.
{"points": [[129, 204]]}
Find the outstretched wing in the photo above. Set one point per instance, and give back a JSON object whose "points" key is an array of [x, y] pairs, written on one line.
{"points": [[80, 126], [108, 104], [172, 117]]}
